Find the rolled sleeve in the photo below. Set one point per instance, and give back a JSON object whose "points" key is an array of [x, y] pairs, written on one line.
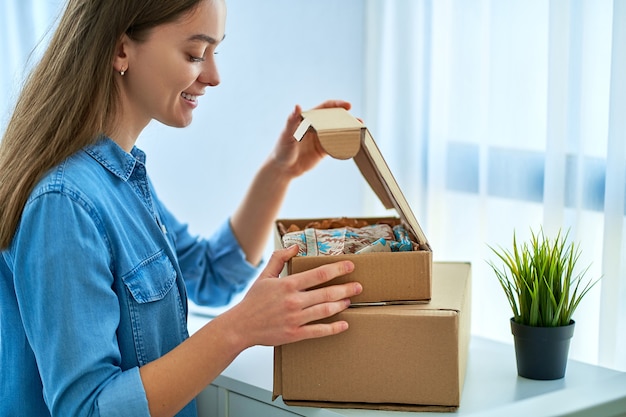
{"points": [[214, 269], [127, 390], [230, 260]]}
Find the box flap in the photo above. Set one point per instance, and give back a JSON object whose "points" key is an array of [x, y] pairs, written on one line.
{"points": [[339, 132], [343, 136]]}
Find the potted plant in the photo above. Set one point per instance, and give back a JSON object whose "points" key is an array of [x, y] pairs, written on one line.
{"points": [[543, 289]]}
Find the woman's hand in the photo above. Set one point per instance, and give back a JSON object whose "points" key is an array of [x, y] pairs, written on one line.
{"points": [[254, 219], [295, 158], [276, 310]]}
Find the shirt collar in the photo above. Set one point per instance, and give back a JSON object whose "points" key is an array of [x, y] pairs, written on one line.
{"points": [[115, 159]]}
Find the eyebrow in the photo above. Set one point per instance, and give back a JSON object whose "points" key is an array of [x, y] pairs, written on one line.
{"points": [[205, 38]]}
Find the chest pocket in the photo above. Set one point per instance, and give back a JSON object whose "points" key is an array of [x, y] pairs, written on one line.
{"points": [[152, 279], [155, 308]]}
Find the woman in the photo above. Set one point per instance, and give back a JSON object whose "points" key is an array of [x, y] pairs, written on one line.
{"points": [[92, 297]]}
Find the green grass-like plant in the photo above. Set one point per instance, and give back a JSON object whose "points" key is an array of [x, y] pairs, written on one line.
{"points": [[539, 280]]}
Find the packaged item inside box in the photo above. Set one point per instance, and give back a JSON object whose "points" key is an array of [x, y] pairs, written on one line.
{"points": [[346, 236]]}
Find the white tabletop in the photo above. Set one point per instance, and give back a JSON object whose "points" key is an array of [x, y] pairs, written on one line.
{"points": [[492, 386]]}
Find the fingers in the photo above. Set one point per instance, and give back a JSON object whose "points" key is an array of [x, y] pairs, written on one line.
{"points": [[322, 303], [322, 274], [308, 279], [334, 293], [277, 261], [328, 301], [322, 329], [310, 318], [296, 309], [334, 103], [324, 310], [295, 116]]}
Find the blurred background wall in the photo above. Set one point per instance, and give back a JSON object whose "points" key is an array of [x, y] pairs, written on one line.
{"points": [[494, 117]]}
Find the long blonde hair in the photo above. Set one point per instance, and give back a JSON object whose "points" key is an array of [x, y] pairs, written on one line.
{"points": [[71, 94]]}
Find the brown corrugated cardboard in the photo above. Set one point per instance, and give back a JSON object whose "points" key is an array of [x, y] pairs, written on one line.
{"points": [[401, 357], [386, 277]]}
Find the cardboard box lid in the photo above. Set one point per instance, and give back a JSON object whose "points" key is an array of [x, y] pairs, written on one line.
{"points": [[343, 137]]}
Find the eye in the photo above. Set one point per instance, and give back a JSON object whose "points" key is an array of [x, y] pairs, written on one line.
{"points": [[196, 58]]}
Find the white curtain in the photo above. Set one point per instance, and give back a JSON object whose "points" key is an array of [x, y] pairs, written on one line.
{"points": [[494, 116], [24, 25], [503, 116]]}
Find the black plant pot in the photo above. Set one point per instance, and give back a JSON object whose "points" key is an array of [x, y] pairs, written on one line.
{"points": [[541, 352]]}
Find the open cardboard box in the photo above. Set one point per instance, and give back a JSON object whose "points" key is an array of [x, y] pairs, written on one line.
{"points": [[397, 357], [389, 277]]}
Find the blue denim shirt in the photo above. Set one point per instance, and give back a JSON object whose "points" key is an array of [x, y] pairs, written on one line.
{"points": [[91, 288]]}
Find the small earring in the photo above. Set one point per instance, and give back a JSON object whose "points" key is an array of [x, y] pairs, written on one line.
{"points": [[122, 72]]}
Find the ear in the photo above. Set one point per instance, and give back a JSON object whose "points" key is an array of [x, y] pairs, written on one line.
{"points": [[120, 58]]}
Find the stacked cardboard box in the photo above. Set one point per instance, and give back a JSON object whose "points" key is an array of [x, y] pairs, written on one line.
{"points": [[396, 357], [408, 353]]}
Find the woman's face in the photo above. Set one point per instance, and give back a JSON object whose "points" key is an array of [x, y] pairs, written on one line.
{"points": [[168, 72]]}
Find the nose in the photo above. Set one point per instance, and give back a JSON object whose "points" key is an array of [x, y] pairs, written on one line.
{"points": [[209, 75]]}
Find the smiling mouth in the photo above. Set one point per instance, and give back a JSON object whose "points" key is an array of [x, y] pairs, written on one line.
{"points": [[189, 97]]}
